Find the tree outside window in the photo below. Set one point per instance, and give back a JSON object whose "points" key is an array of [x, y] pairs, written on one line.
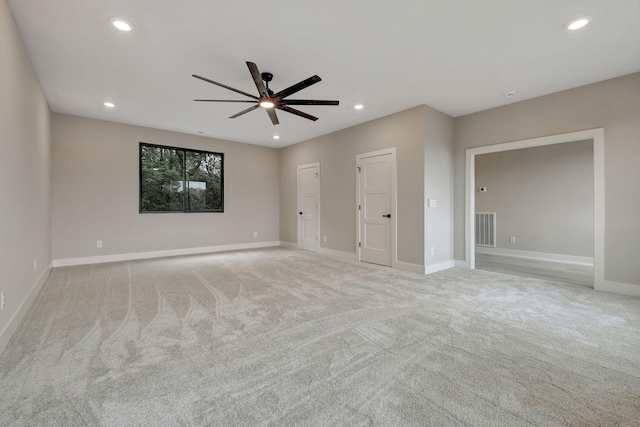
{"points": [[176, 179]]}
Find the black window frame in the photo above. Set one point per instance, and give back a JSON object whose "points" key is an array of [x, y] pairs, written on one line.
{"points": [[146, 144]]}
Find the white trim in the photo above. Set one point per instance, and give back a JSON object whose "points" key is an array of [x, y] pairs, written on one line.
{"points": [[338, 254], [414, 268], [461, 264], [13, 323], [470, 214], [598, 211], [159, 254], [621, 288], [308, 166], [439, 267], [597, 135], [558, 258], [324, 251], [394, 202]]}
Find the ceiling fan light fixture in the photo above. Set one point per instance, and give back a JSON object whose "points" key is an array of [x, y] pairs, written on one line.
{"points": [[576, 24], [121, 24], [265, 103]]}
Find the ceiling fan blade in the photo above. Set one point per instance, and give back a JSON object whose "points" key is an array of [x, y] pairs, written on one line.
{"points": [[297, 87], [245, 111], [272, 115], [221, 100], [224, 86], [296, 112], [307, 102], [255, 73]]}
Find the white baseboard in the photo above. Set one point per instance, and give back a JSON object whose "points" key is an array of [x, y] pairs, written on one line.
{"points": [[618, 288], [414, 268], [461, 264], [159, 254], [439, 267], [338, 254], [14, 322], [559, 258], [324, 251]]}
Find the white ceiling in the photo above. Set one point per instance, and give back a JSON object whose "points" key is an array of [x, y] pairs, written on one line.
{"points": [[457, 56]]}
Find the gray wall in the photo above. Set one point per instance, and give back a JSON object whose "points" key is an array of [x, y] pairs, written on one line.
{"points": [[438, 185], [614, 105], [542, 196], [95, 170], [24, 173], [336, 152]]}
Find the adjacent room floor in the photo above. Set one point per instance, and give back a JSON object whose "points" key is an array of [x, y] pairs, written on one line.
{"points": [[540, 269], [281, 337]]}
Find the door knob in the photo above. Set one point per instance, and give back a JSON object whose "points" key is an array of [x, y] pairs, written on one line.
{"points": [[300, 213], [386, 216]]}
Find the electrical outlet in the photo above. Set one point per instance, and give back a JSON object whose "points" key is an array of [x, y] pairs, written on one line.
{"points": [[99, 244], [512, 240], [35, 264], [255, 234], [433, 250], [324, 238], [1, 300]]}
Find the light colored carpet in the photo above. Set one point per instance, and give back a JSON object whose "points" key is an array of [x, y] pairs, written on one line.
{"points": [[280, 337]]}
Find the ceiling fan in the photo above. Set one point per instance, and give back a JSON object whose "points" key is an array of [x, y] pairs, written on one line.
{"points": [[269, 100]]}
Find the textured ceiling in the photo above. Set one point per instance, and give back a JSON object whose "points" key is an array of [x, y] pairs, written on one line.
{"points": [[455, 56]]}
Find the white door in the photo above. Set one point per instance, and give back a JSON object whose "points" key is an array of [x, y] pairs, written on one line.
{"points": [[375, 206], [308, 206]]}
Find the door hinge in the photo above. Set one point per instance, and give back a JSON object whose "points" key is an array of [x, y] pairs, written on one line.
{"points": [[359, 170], [359, 207], [359, 244]]}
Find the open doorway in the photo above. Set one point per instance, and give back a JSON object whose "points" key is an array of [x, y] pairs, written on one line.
{"points": [[534, 212], [597, 136]]}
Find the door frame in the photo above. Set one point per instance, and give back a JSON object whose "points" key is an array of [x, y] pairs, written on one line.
{"points": [[394, 202], [307, 166], [597, 135]]}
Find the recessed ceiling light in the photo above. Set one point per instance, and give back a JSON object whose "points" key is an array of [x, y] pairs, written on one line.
{"points": [[121, 24], [576, 24], [511, 94], [109, 104], [358, 106], [276, 137]]}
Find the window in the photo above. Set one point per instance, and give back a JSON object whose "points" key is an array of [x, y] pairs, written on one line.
{"points": [[176, 179]]}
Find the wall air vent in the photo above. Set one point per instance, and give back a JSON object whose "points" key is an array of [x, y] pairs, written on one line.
{"points": [[486, 229]]}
